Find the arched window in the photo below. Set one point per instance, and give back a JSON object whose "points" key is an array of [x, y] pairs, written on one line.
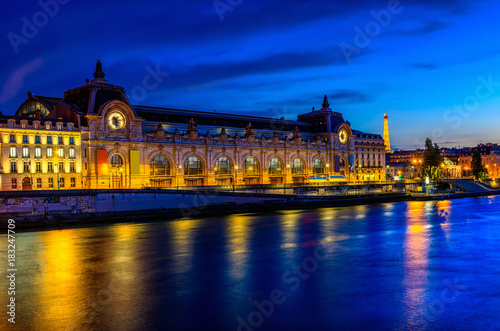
{"points": [[160, 166], [116, 161], [250, 166], [318, 166], [223, 166], [297, 166], [275, 167], [193, 166]]}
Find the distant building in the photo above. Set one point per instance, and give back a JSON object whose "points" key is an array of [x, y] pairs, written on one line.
{"points": [[93, 137], [490, 155]]}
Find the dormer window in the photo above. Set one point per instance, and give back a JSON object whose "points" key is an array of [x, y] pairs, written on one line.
{"points": [[59, 127], [70, 127], [35, 125], [23, 125], [11, 124], [47, 126]]}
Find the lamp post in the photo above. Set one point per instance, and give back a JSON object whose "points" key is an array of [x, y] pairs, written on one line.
{"points": [[177, 169], [234, 175], [328, 172], [57, 171]]}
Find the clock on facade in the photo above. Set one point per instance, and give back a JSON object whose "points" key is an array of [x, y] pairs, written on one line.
{"points": [[116, 120], [343, 136]]}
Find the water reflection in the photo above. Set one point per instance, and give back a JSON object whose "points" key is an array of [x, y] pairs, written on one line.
{"points": [[238, 234], [416, 255], [182, 244]]}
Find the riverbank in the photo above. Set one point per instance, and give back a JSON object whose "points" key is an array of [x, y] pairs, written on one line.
{"points": [[49, 210]]}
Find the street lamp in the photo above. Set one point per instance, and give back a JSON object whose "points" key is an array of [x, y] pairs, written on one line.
{"points": [[57, 171], [177, 169], [234, 175]]}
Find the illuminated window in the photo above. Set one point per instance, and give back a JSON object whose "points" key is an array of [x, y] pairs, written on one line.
{"points": [[26, 166], [61, 182], [38, 167], [223, 166], [60, 152], [26, 152], [193, 166], [318, 166], [275, 166], [59, 127], [13, 167], [39, 183], [51, 182], [159, 166], [49, 152], [38, 152], [250, 166], [73, 182], [14, 183], [72, 167], [13, 152], [23, 125], [72, 153], [297, 166], [12, 138], [47, 126], [116, 161]]}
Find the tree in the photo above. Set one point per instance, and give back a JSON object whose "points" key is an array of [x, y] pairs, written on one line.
{"points": [[477, 168], [432, 160]]}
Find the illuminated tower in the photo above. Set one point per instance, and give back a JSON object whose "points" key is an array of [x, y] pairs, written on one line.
{"points": [[387, 141]]}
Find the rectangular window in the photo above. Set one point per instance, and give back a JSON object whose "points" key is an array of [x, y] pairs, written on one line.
{"points": [[60, 140], [13, 152], [71, 140], [60, 152], [38, 152], [50, 167], [13, 167], [72, 167], [35, 125], [73, 182], [59, 127], [11, 124], [49, 152], [37, 139], [26, 152], [51, 182], [23, 125], [25, 138], [61, 167], [38, 183], [72, 153], [49, 140], [47, 126], [26, 167], [61, 182], [12, 138], [70, 127], [38, 167], [14, 181]]}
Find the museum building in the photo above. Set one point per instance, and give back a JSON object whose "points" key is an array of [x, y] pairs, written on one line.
{"points": [[94, 138]]}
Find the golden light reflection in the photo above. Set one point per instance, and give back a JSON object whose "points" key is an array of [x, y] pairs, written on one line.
{"points": [[416, 261], [182, 244], [444, 210], [237, 244], [61, 285], [289, 224]]}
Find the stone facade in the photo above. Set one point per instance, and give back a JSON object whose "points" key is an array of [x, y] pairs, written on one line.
{"points": [[120, 145]]}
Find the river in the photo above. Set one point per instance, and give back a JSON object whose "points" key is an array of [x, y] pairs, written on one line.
{"points": [[394, 266]]}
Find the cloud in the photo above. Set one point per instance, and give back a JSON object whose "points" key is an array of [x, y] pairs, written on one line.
{"points": [[16, 80], [424, 65]]}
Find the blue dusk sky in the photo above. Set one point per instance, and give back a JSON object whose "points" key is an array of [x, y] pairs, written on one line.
{"points": [[434, 64]]}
